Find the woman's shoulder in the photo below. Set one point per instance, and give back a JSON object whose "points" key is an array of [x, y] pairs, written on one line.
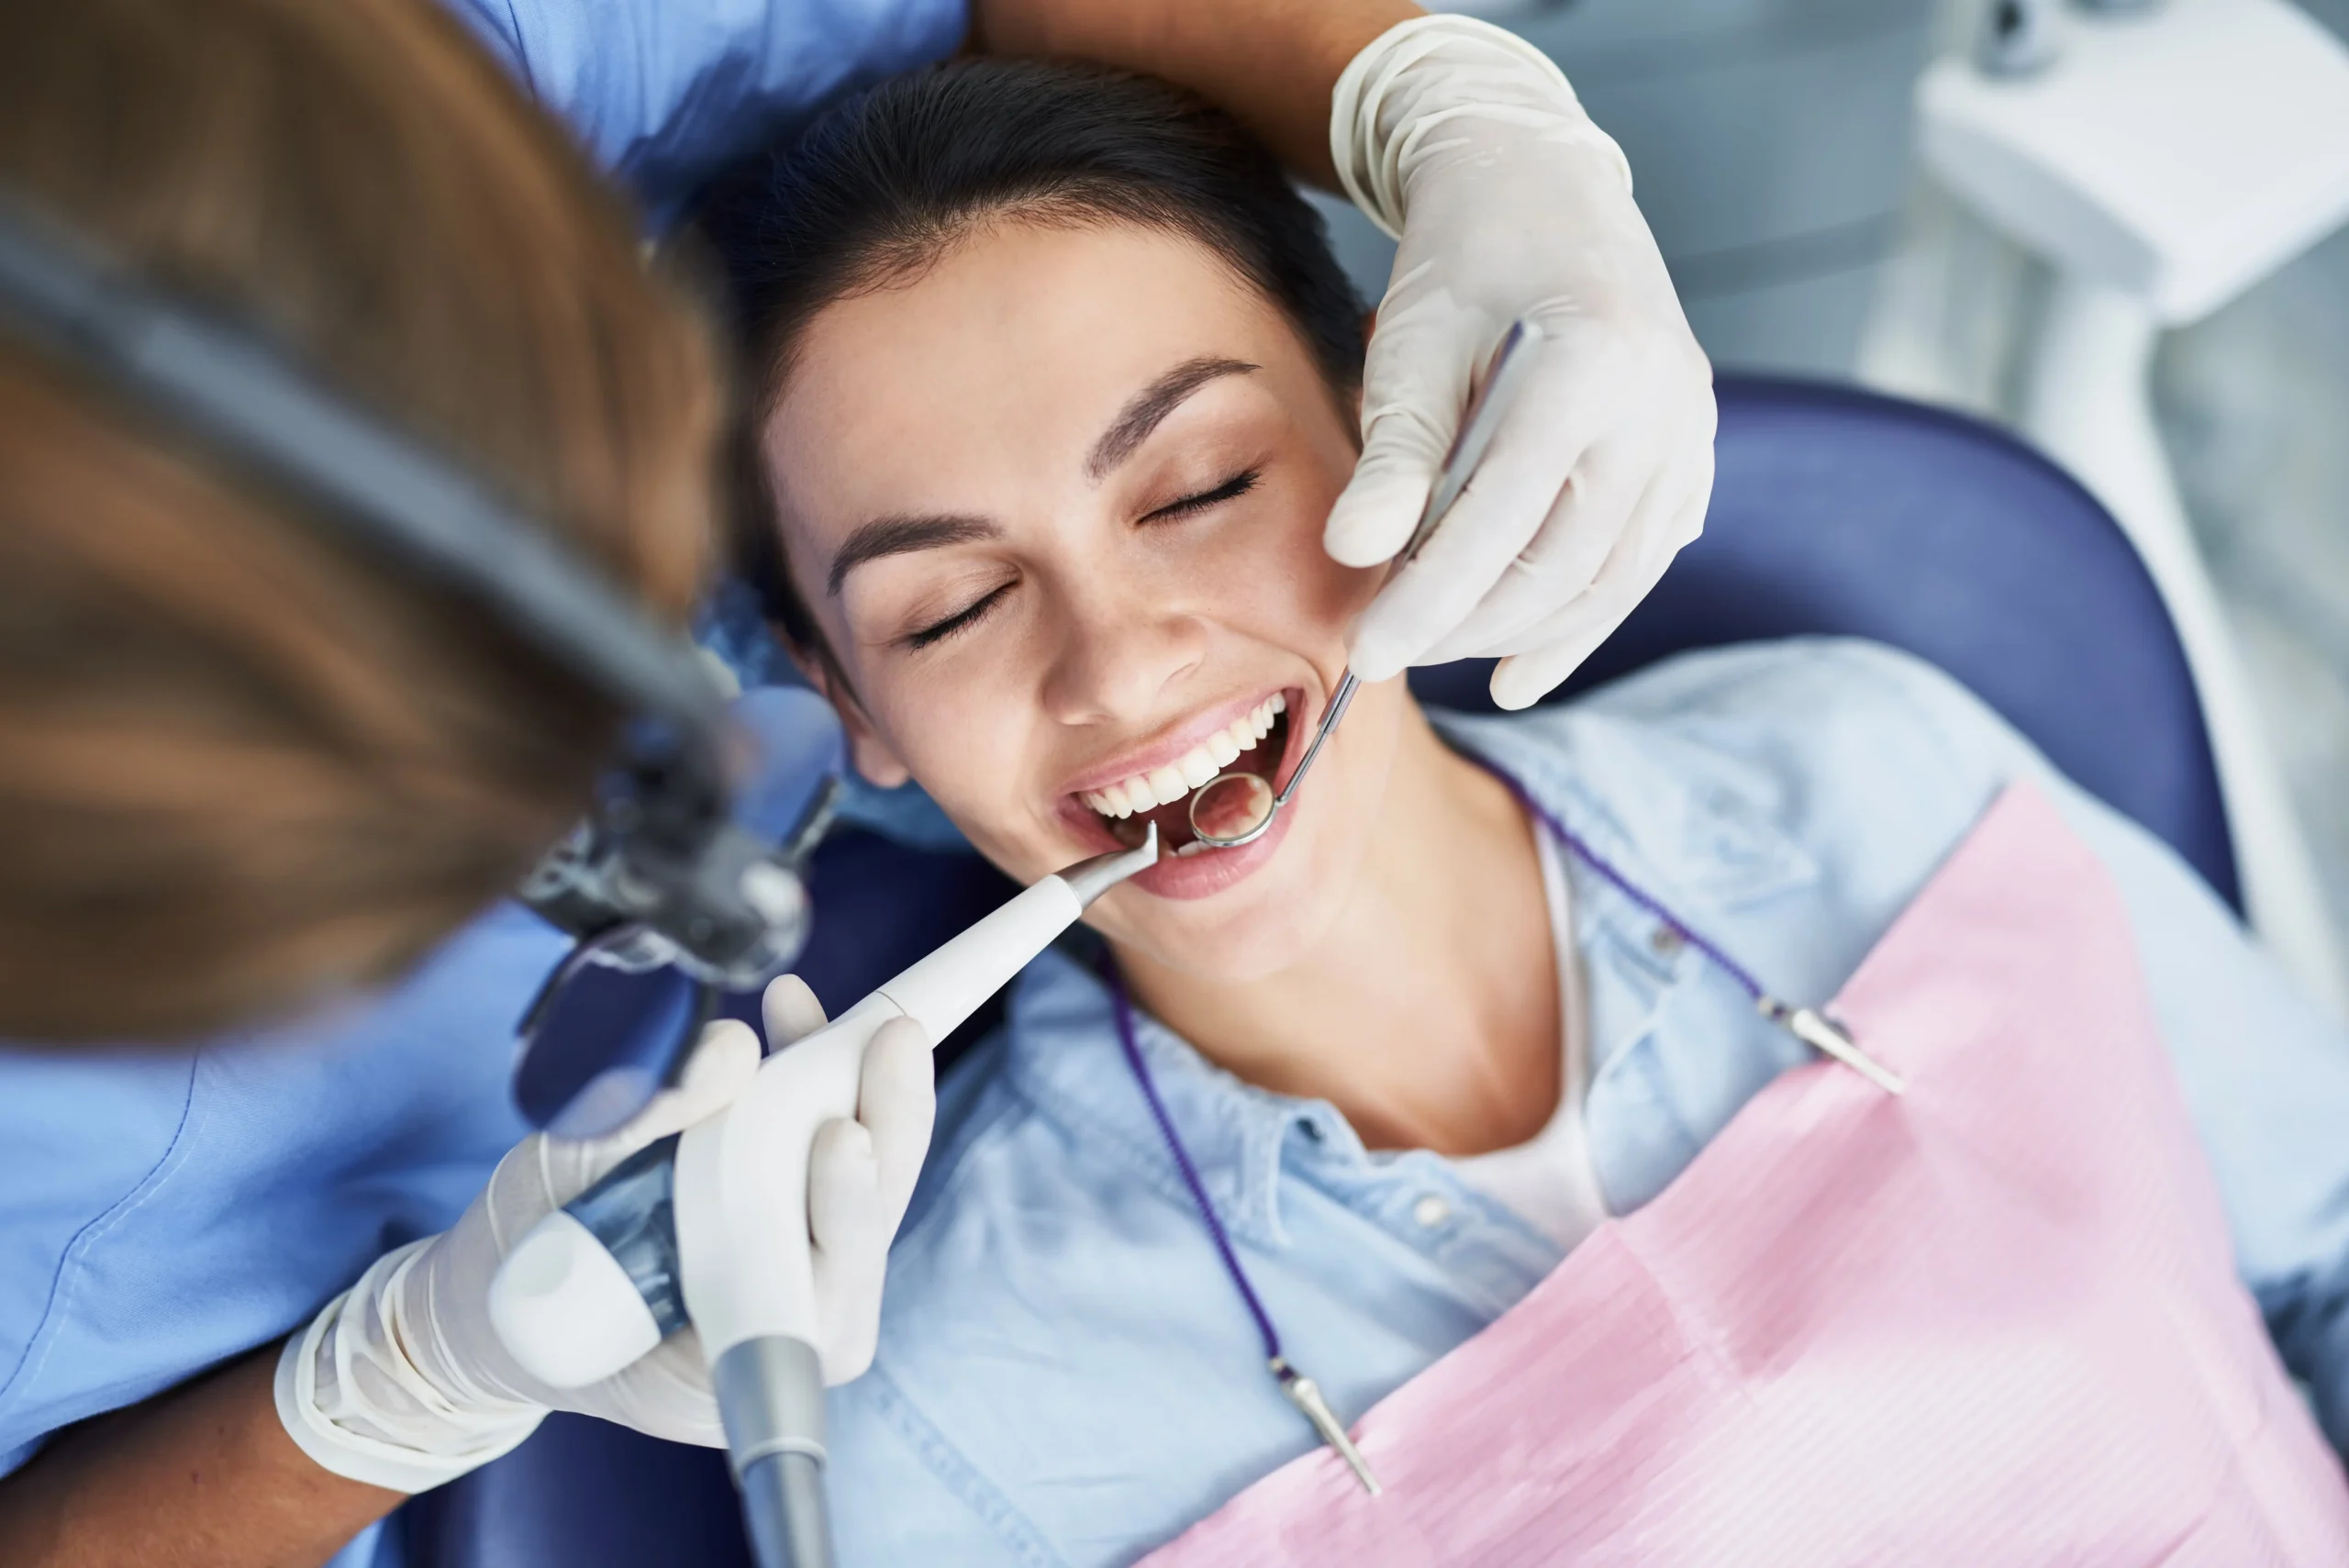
{"points": [[1797, 704], [1799, 754]]}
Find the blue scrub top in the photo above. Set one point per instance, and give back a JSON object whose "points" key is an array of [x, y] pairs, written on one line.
{"points": [[160, 1213], [664, 91]]}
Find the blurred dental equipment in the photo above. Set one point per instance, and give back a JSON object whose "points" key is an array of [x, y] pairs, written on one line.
{"points": [[661, 882], [710, 1227], [2018, 38], [2163, 160], [1236, 806]]}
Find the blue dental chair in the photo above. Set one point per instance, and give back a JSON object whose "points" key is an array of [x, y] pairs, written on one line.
{"points": [[1835, 511]]}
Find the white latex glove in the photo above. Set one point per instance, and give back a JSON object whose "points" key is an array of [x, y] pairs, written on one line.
{"points": [[401, 1382], [1466, 144]]}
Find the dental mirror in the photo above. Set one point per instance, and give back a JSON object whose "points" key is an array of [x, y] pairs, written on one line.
{"points": [[1236, 806]]}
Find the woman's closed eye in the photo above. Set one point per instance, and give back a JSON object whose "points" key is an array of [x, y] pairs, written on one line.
{"points": [[1231, 489], [961, 621], [972, 613]]}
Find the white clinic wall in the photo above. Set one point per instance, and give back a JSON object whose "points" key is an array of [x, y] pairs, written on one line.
{"points": [[2253, 403]]}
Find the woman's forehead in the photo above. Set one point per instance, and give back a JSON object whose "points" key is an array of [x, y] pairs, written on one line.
{"points": [[1017, 345]]}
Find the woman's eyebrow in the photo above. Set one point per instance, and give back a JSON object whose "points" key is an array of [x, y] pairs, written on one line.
{"points": [[899, 536], [1140, 416], [1143, 411]]}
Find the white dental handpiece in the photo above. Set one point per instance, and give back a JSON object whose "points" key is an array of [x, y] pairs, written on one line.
{"points": [[711, 1225]]}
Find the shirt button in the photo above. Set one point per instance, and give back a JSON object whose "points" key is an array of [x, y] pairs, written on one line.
{"points": [[1431, 1211], [1666, 942]]}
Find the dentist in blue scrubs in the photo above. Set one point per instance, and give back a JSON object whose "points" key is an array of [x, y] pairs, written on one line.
{"points": [[168, 1217]]}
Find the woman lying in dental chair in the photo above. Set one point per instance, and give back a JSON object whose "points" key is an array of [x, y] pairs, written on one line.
{"points": [[1469, 1089]]}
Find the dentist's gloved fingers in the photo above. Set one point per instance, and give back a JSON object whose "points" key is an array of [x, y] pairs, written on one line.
{"points": [[665, 1393], [543, 1173], [1559, 646], [404, 1381], [850, 1225], [1468, 144], [861, 1175], [1544, 434], [1669, 517], [845, 1214], [897, 1102], [1526, 612], [1414, 382], [1564, 557], [723, 1062], [790, 1009]]}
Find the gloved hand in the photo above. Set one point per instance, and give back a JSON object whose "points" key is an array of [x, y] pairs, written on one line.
{"points": [[1468, 144], [402, 1383]]}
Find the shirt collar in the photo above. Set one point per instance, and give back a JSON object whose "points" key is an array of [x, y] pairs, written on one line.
{"points": [[1688, 824], [1063, 1056]]}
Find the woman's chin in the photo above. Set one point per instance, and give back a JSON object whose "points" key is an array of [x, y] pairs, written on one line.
{"points": [[1246, 927]]}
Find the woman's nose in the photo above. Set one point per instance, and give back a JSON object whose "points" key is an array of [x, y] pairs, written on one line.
{"points": [[1117, 656]]}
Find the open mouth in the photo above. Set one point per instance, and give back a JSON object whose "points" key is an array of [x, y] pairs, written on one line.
{"points": [[1254, 742]]}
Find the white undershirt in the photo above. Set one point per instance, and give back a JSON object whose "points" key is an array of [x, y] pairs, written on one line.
{"points": [[1549, 1181]]}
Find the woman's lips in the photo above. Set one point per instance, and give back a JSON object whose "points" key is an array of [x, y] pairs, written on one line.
{"points": [[1208, 871], [1193, 739]]}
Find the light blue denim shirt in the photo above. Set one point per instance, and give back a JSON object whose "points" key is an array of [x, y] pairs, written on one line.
{"points": [[1065, 1375]]}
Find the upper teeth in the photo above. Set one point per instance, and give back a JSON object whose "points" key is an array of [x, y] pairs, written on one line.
{"points": [[1164, 785]]}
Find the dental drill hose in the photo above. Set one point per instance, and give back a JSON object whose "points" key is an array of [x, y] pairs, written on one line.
{"points": [[700, 1228], [771, 1397]]}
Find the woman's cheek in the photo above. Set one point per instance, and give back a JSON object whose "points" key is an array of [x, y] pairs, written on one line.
{"points": [[972, 775], [1315, 589]]}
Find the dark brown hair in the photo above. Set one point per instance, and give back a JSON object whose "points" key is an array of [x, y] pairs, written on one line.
{"points": [[243, 764], [882, 186]]}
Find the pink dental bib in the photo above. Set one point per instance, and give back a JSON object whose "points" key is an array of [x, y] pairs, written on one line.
{"points": [[1993, 1321]]}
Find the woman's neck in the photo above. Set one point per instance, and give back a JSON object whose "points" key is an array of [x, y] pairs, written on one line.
{"points": [[1430, 1012]]}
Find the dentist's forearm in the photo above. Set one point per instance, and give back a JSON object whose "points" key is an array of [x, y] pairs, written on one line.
{"points": [[202, 1476], [1272, 62]]}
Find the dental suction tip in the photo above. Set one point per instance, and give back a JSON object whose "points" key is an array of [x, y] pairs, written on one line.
{"points": [[1090, 879]]}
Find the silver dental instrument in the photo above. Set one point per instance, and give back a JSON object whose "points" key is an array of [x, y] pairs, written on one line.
{"points": [[1242, 805], [699, 1227]]}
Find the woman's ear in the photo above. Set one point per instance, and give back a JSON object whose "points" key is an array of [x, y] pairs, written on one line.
{"points": [[874, 762]]}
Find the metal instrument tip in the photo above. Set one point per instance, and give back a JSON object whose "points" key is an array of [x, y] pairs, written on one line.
{"points": [[1090, 879]]}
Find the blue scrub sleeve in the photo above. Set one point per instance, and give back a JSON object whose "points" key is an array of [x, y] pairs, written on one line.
{"points": [[664, 93], [161, 1211]]}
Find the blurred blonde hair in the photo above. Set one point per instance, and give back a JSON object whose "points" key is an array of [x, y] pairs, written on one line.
{"points": [[242, 766]]}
